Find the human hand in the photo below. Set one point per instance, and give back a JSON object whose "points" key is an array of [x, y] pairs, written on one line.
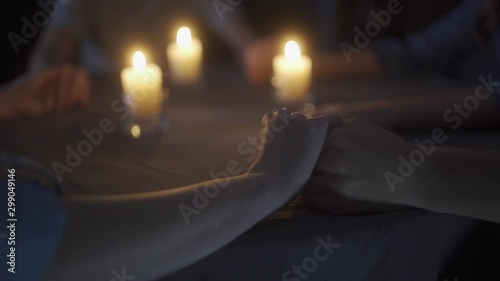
{"points": [[290, 145], [55, 90], [350, 175], [258, 61]]}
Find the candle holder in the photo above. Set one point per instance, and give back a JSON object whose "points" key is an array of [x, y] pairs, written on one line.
{"points": [[144, 126], [303, 104]]}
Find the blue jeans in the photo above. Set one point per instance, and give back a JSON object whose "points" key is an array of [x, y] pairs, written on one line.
{"points": [[32, 225]]}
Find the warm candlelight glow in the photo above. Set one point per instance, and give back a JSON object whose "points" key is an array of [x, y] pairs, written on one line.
{"points": [[292, 51], [135, 130], [184, 37], [142, 86], [139, 61], [292, 72], [185, 58]]}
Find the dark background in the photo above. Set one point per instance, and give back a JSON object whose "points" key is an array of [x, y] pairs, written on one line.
{"points": [[323, 27]]}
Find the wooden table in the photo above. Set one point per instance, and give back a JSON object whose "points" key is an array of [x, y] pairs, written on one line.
{"points": [[207, 129]]}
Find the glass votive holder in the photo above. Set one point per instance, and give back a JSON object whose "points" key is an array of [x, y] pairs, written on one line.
{"points": [[145, 123], [295, 99]]}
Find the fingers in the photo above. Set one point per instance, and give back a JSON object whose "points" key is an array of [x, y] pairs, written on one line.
{"points": [[333, 121], [31, 92], [80, 92], [266, 119], [59, 89], [69, 90], [65, 88], [49, 97], [280, 116], [42, 78]]}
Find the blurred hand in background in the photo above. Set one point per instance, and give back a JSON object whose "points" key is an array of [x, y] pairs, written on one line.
{"points": [[258, 61], [59, 89]]}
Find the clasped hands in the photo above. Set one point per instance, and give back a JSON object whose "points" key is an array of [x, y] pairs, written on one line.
{"points": [[337, 165]]}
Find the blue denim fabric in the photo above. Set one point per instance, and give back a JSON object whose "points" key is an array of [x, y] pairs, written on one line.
{"points": [[40, 219]]}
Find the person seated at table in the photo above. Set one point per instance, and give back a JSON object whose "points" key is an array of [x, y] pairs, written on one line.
{"points": [[100, 33], [365, 168], [35, 94], [393, 52], [400, 174], [469, 52], [458, 45]]}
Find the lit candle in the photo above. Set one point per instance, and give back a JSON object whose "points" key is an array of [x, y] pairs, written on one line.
{"points": [[142, 86], [292, 74], [185, 58]]}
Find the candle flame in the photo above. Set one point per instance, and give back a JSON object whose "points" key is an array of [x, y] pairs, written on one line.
{"points": [[292, 51], [184, 37], [135, 131], [139, 61]]}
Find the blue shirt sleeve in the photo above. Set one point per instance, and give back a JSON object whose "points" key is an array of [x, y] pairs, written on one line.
{"points": [[435, 48]]}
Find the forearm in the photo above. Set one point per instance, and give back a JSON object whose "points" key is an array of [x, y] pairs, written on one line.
{"points": [[461, 182], [148, 234]]}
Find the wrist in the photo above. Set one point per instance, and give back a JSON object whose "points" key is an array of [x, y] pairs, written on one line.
{"points": [[426, 179], [280, 188]]}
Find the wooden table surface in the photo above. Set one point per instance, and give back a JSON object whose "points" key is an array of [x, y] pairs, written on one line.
{"points": [[206, 130]]}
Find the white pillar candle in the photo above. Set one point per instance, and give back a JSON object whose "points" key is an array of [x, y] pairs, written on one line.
{"points": [[292, 74], [185, 58], [142, 86]]}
